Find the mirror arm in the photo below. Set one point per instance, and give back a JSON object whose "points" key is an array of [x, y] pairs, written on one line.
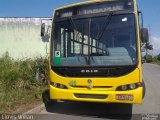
{"points": [[42, 29], [139, 12]]}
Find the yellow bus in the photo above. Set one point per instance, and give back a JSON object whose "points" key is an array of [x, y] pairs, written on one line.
{"points": [[95, 53]]}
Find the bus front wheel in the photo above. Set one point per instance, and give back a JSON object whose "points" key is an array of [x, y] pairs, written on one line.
{"points": [[46, 98]]}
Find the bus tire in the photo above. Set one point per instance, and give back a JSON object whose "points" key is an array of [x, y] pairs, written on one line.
{"points": [[144, 89], [46, 97]]}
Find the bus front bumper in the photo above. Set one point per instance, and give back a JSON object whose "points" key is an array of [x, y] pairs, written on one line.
{"points": [[130, 96]]}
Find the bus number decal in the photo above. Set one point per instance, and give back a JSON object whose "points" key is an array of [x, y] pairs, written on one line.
{"points": [[57, 54]]}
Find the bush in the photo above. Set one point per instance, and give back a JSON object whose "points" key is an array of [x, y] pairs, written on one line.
{"points": [[158, 57], [148, 58], [18, 84], [16, 74]]}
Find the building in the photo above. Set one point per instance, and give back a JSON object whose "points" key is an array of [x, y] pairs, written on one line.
{"points": [[20, 37]]}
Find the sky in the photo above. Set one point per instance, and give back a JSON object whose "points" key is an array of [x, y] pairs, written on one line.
{"points": [[44, 8]]}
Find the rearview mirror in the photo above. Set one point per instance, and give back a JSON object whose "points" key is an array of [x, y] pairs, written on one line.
{"points": [[144, 35], [42, 29]]}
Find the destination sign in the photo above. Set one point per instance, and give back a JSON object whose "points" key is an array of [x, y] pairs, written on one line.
{"points": [[99, 10], [99, 7]]}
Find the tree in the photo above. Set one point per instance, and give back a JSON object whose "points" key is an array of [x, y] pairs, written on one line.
{"points": [[158, 57], [148, 46], [148, 58]]}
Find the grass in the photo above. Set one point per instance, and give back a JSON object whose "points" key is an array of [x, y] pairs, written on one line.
{"points": [[18, 84], [13, 100], [156, 62]]}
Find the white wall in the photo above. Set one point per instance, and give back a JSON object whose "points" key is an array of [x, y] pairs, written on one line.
{"points": [[21, 37]]}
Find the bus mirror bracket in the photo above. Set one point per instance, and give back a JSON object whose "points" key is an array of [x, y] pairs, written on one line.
{"points": [[42, 29], [144, 31], [140, 14]]}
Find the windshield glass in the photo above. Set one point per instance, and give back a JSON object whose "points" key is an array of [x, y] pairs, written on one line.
{"points": [[97, 41]]}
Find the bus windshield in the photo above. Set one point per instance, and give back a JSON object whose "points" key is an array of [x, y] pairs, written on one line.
{"points": [[95, 41]]}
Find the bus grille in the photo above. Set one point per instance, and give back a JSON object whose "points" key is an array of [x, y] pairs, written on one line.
{"points": [[92, 96], [100, 87]]}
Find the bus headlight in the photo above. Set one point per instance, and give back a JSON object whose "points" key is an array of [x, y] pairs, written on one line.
{"points": [[58, 85], [54, 84], [132, 86], [124, 87], [129, 87]]}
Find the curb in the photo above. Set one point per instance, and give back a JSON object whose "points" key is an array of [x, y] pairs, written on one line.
{"points": [[35, 110]]}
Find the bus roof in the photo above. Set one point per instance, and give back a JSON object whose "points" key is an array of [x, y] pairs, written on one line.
{"points": [[83, 3]]}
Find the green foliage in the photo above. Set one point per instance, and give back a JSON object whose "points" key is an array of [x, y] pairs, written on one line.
{"points": [[148, 46], [158, 57], [21, 73], [148, 59], [156, 60], [18, 84]]}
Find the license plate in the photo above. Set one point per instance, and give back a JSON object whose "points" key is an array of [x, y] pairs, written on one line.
{"points": [[124, 97]]}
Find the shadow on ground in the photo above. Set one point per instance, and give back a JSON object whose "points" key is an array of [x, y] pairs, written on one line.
{"points": [[87, 109]]}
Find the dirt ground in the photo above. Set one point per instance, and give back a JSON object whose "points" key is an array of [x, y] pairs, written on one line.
{"points": [[26, 107]]}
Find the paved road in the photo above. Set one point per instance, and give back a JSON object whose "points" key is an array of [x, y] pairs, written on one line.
{"points": [[100, 111]]}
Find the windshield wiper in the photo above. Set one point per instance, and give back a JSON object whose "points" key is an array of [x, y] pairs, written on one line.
{"points": [[72, 23], [104, 26], [75, 28]]}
